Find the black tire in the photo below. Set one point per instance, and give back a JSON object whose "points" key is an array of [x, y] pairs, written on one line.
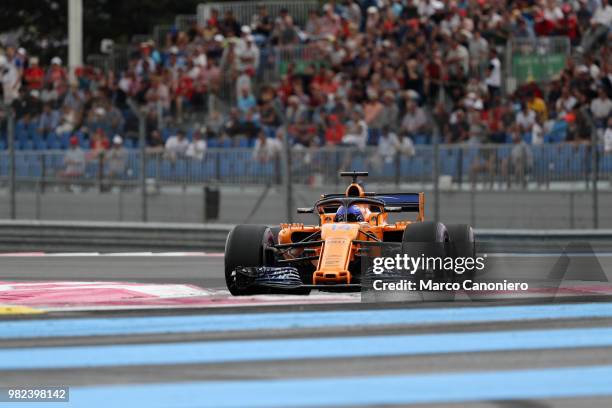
{"points": [[462, 245], [426, 231], [245, 246], [429, 239]]}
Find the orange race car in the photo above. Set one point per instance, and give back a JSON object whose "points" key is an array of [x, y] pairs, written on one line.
{"points": [[336, 254]]}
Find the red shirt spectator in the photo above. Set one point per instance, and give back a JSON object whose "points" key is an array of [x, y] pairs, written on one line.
{"points": [[335, 130], [34, 75]]}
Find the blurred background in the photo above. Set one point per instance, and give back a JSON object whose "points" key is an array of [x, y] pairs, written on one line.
{"points": [[237, 112]]}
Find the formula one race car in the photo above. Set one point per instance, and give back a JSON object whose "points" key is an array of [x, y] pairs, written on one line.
{"points": [[295, 258]]}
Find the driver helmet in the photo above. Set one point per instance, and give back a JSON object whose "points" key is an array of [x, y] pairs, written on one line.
{"points": [[354, 214]]}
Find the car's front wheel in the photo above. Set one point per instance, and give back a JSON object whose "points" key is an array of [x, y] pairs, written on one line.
{"points": [[245, 246]]}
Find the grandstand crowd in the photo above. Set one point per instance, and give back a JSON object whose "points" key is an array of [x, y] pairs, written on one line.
{"points": [[361, 72]]}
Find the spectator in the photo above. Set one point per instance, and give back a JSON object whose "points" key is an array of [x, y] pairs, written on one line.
{"points": [[56, 75], [601, 107], [11, 81], [34, 75], [197, 147], [565, 103], [414, 121], [537, 104], [608, 137], [74, 160], [356, 130], [68, 121], [155, 143], [246, 100], [27, 105], [157, 96], [74, 99], [388, 147], [373, 110], [334, 130], [261, 23], [525, 118], [537, 132], [48, 120], [266, 149], [214, 124], [458, 56], [113, 119], [520, 161], [247, 54], [176, 146], [390, 113], [458, 128], [478, 50], [116, 159], [477, 124], [600, 26], [494, 75]]}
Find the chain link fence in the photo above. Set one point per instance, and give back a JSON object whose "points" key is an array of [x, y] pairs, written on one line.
{"points": [[244, 10]]}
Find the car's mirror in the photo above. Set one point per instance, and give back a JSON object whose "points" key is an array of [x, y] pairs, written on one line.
{"points": [[393, 209], [305, 210]]}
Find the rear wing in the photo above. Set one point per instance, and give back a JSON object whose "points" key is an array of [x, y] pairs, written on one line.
{"points": [[408, 202]]}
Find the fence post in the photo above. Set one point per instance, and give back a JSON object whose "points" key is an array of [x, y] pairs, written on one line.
{"points": [[10, 123], [436, 175], [437, 133], [286, 167], [594, 174], [37, 206], [142, 141], [571, 210]]}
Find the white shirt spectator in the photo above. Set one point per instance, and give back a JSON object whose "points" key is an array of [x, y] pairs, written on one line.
{"points": [[461, 55], [388, 146], [196, 149], [267, 149], [74, 162], [248, 55], [10, 82], [565, 105], [537, 135], [603, 16], [177, 146], [479, 47], [608, 140], [414, 121], [494, 78], [526, 119], [601, 107], [357, 134]]}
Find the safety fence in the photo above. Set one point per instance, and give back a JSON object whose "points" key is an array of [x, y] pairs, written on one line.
{"points": [[460, 166]]}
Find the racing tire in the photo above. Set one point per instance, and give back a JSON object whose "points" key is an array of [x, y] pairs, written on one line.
{"points": [[462, 245], [245, 246], [430, 239]]}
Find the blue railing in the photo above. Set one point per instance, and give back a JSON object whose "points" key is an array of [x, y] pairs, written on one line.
{"points": [[502, 164]]}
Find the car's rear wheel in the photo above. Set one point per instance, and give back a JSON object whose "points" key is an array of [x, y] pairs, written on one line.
{"points": [[245, 246], [429, 240], [462, 245]]}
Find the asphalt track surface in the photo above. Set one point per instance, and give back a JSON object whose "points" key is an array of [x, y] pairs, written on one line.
{"points": [[565, 361]]}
